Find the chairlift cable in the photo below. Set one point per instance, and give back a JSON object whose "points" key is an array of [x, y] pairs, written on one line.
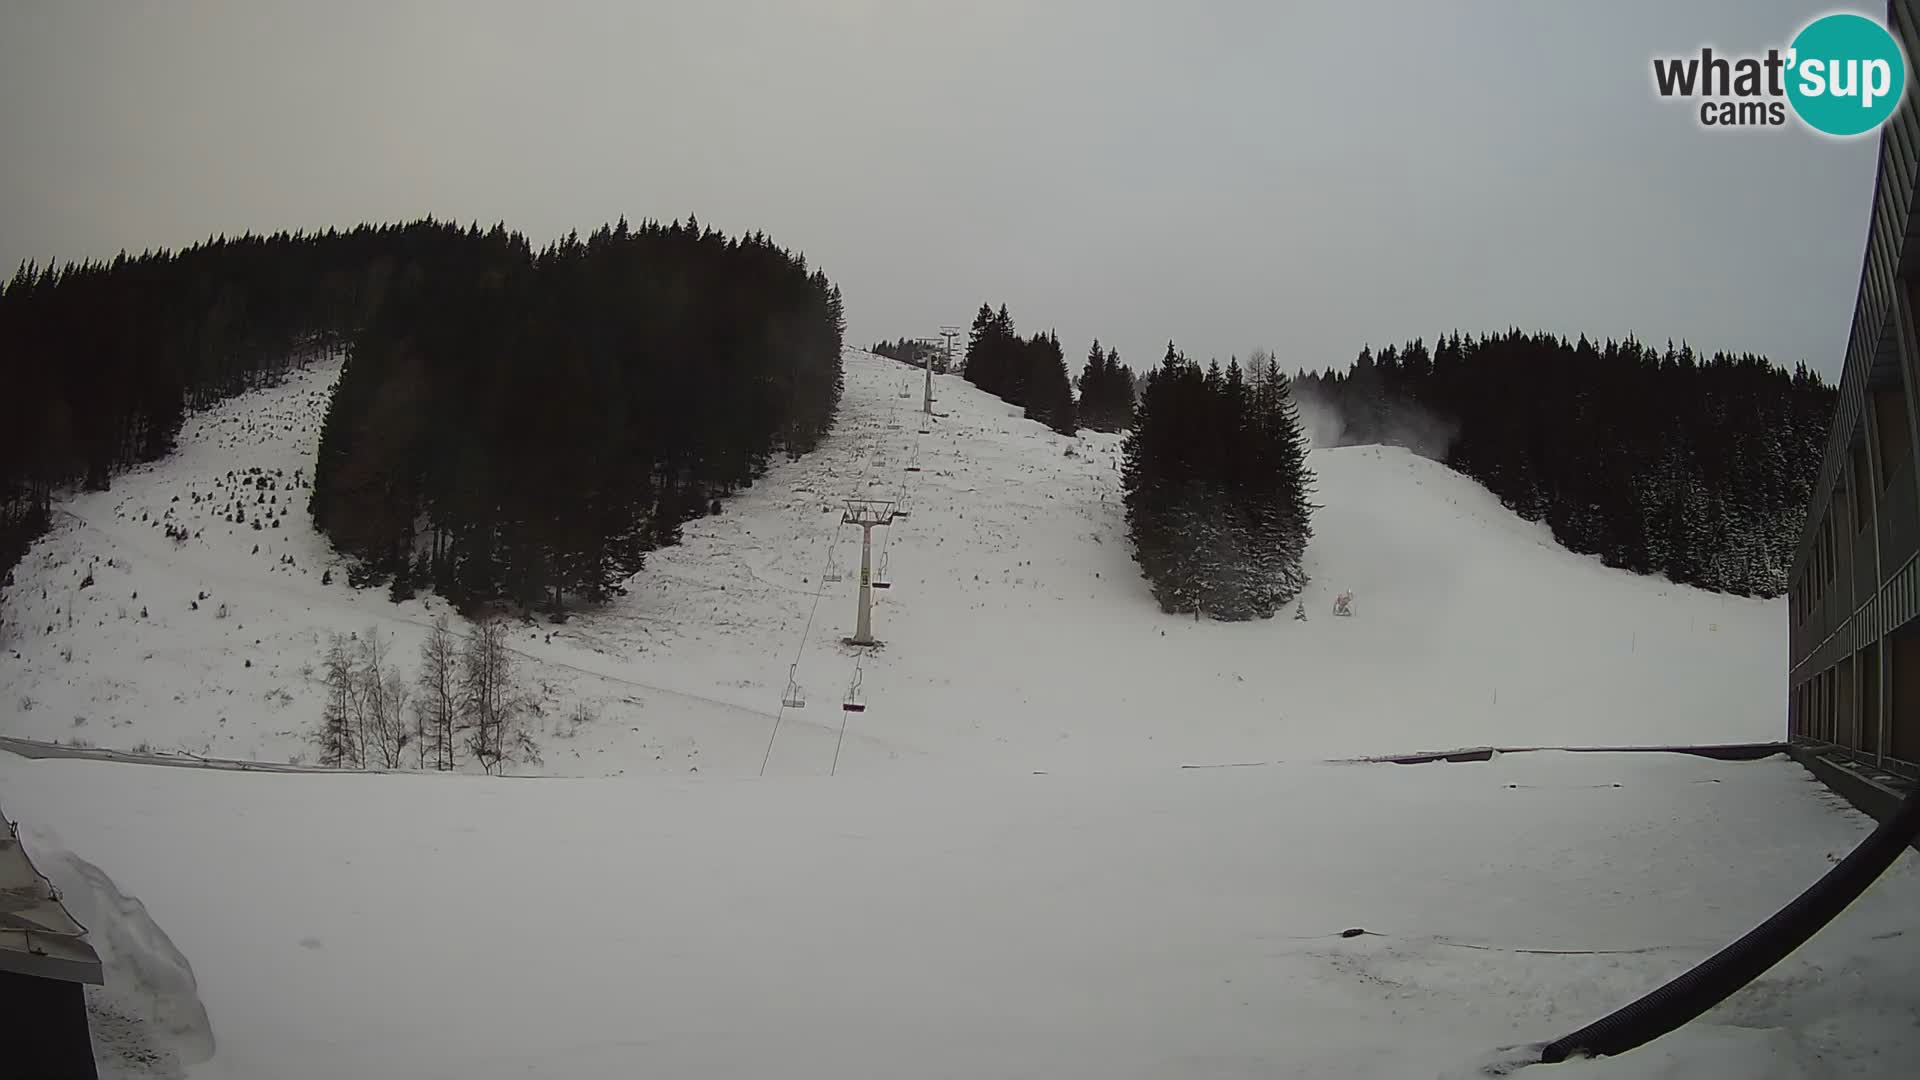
{"points": [[819, 590]]}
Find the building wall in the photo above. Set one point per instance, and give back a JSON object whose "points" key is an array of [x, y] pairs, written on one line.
{"points": [[1854, 593], [45, 1021]]}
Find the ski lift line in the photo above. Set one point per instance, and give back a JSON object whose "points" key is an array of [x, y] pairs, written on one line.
{"points": [[838, 742], [856, 701], [832, 543], [791, 697]]}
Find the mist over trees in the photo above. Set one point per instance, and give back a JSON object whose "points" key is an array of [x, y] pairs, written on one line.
{"points": [[524, 428], [1657, 461], [1216, 487]]}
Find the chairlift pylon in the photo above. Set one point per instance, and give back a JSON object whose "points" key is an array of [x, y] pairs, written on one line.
{"points": [[792, 698]]}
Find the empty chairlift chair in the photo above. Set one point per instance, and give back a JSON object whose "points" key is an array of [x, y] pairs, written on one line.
{"points": [[793, 698], [856, 700], [832, 573], [880, 575]]}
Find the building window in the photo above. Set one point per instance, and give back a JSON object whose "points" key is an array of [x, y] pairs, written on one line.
{"points": [[1896, 442], [1862, 493]]}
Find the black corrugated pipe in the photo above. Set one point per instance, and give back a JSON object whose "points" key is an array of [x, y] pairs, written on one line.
{"points": [[1716, 978]]}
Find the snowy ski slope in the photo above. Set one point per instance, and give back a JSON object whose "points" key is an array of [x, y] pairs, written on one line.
{"points": [[936, 908], [1017, 633]]}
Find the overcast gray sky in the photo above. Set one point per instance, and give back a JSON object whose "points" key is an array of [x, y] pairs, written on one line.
{"points": [[1304, 176]]}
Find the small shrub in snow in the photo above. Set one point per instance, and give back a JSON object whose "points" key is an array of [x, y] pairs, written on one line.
{"points": [[580, 717]]}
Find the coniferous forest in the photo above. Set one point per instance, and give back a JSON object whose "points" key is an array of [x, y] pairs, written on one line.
{"points": [[1661, 462], [1106, 390], [1028, 372], [1216, 486], [526, 429], [102, 360], [510, 425], [914, 353]]}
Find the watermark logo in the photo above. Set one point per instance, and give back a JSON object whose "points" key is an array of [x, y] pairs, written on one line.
{"points": [[1843, 74]]}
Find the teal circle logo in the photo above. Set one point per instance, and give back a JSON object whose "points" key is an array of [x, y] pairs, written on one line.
{"points": [[1845, 74]]}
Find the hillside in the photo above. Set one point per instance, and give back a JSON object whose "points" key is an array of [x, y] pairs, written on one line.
{"points": [[936, 907], [1017, 633]]}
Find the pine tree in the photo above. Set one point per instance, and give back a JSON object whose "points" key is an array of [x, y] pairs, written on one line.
{"points": [[1049, 393], [1216, 491]]}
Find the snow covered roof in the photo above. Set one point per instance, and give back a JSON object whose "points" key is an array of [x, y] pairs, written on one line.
{"points": [[37, 935]]}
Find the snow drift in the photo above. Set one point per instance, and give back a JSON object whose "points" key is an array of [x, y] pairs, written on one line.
{"points": [[147, 1020]]}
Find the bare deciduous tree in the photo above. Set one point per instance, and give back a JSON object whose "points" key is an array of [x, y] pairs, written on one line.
{"points": [[438, 707], [490, 699], [339, 742], [383, 692]]}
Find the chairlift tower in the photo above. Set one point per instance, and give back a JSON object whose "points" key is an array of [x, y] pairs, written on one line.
{"points": [[949, 333], [866, 513]]}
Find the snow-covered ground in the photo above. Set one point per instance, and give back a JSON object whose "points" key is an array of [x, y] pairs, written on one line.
{"points": [[1018, 633], [999, 868], [1151, 924]]}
